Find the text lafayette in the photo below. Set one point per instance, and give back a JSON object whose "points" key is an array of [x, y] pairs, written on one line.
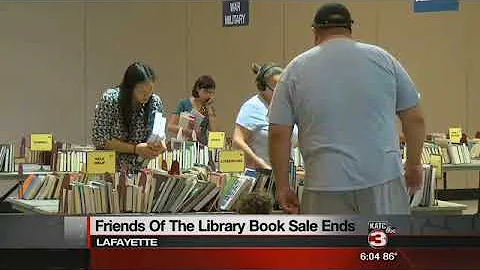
{"points": [[126, 242]]}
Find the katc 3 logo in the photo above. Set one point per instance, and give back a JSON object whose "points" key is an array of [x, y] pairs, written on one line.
{"points": [[378, 233]]}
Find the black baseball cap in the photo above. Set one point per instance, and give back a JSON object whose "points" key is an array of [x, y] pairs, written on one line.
{"points": [[332, 15]]}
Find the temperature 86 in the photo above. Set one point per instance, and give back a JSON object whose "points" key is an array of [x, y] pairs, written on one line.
{"points": [[389, 256]]}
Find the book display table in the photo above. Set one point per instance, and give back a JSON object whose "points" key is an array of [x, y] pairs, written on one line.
{"points": [[50, 207], [474, 166]]}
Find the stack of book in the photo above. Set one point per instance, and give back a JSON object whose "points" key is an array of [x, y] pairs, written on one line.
{"points": [[39, 157], [7, 158], [475, 148], [71, 158], [237, 185], [425, 196], [449, 152], [81, 195], [34, 161], [41, 187], [458, 154], [147, 192], [185, 154], [292, 176], [297, 157], [432, 149], [191, 120], [197, 190]]}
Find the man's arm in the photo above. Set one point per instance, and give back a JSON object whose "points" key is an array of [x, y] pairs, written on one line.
{"points": [[280, 145], [410, 114], [413, 126], [281, 115], [282, 119]]}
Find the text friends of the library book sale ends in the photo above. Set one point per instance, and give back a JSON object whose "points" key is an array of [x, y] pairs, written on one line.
{"points": [[110, 231]]}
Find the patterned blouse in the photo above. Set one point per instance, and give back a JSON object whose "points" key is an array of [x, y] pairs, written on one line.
{"points": [[108, 125]]}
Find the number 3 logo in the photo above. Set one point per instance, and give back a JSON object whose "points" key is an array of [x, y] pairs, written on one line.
{"points": [[377, 239]]}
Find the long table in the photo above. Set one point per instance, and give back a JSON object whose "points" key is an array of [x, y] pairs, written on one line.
{"points": [[50, 207], [474, 166]]}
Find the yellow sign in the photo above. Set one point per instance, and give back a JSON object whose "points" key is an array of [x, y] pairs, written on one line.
{"points": [[232, 161], [41, 142], [455, 135], [99, 162], [216, 140], [436, 162]]}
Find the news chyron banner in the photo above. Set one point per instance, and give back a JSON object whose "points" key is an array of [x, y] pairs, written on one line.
{"points": [[283, 242], [226, 241]]}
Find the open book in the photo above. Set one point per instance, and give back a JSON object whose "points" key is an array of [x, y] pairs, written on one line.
{"points": [[158, 131], [194, 117], [158, 134]]}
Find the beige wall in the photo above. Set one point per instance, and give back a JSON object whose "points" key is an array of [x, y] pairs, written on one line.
{"points": [[42, 70], [57, 58]]}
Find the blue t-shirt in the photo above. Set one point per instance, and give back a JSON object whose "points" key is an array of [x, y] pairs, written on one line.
{"points": [[344, 96], [185, 105], [253, 115]]}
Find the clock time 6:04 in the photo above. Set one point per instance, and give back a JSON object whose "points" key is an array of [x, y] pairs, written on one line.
{"points": [[378, 256]]}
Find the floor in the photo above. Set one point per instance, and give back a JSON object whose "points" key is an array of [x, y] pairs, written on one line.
{"points": [[472, 205]]}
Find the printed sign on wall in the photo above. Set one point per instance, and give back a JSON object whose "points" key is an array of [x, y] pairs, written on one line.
{"points": [[235, 13], [420, 6]]}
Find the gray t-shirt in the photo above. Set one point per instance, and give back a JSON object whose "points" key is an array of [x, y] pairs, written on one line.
{"points": [[344, 96]]}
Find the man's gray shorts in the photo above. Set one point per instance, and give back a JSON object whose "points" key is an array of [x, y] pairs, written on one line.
{"points": [[390, 198]]}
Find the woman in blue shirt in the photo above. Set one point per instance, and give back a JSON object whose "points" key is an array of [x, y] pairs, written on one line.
{"points": [[200, 103], [251, 127]]}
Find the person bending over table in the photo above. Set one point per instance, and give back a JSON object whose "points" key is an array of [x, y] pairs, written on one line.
{"points": [[124, 118], [251, 127]]}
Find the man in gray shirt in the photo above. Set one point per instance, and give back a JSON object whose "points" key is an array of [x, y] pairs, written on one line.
{"points": [[345, 97]]}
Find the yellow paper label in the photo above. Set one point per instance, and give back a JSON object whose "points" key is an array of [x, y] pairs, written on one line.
{"points": [[41, 142], [436, 162], [99, 162], [216, 140], [455, 135], [232, 161]]}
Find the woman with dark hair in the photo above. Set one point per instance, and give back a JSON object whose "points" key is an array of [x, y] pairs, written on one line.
{"points": [[251, 126], [124, 118], [200, 103]]}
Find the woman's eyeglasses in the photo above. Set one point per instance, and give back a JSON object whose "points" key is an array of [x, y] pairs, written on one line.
{"points": [[208, 90]]}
